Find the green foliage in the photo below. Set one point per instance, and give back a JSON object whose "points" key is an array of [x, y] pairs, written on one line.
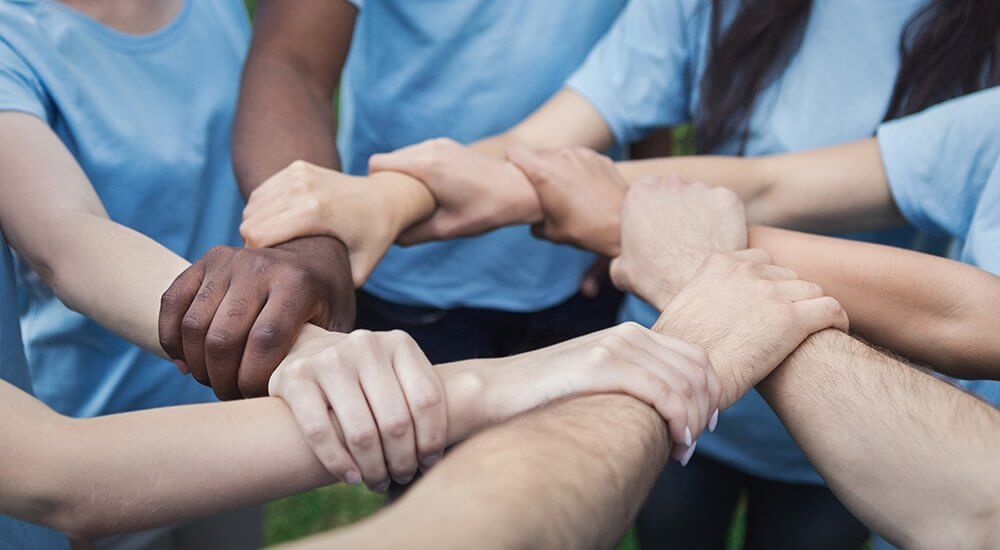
{"points": [[316, 511]]}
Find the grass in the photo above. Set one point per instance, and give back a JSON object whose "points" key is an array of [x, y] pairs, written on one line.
{"points": [[331, 507]]}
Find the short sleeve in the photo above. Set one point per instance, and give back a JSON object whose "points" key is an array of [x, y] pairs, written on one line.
{"points": [[638, 76], [939, 160], [20, 88]]}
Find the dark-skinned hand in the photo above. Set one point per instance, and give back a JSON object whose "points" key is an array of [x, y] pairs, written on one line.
{"points": [[233, 315]]}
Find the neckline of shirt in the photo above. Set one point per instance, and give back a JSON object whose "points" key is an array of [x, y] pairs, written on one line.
{"points": [[123, 39]]}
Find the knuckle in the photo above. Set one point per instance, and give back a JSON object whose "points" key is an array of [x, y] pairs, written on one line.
{"points": [[428, 400], [267, 336], [220, 342], [599, 354], [252, 385], [397, 425], [194, 326], [363, 438], [614, 341], [313, 430]]}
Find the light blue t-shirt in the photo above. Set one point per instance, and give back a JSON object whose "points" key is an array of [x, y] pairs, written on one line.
{"points": [[943, 166], [465, 69], [14, 371], [148, 118], [645, 73]]}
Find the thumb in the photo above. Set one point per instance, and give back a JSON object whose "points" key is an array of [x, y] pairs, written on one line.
{"points": [[404, 160], [533, 166]]}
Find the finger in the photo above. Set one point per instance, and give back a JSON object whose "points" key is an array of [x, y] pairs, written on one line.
{"points": [[392, 417], [282, 227], [820, 314], [422, 232], [756, 255], [595, 278], [673, 369], [708, 377], [227, 338], [173, 306], [272, 335], [197, 320], [266, 207], [405, 160], [425, 396], [642, 384], [773, 272], [537, 170], [798, 290], [343, 389], [312, 414]]}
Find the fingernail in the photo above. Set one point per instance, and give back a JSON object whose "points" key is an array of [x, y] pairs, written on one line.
{"points": [[405, 480], [382, 487], [687, 437], [431, 460], [182, 366], [352, 477], [714, 421], [688, 454]]}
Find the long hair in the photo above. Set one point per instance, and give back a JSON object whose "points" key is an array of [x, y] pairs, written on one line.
{"points": [[947, 49]]}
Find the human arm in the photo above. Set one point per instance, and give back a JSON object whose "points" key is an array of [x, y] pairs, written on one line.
{"points": [[832, 189], [572, 475], [282, 116], [251, 451], [913, 457], [936, 311], [54, 219]]}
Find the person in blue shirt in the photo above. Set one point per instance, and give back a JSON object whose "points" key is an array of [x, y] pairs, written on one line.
{"points": [[409, 71], [754, 79], [139, 109]]}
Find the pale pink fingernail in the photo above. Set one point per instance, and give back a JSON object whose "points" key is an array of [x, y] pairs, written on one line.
{"points": [[182, 366], [714, 421], [688, 454], [687, 436], [352, 477], [382, 487]]}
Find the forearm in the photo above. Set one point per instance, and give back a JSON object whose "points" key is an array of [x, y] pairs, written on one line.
{"points": [[281, 118], [911, 456], [834, 189], [569, 476], [110, 273], [133, 471], [936, 311]]}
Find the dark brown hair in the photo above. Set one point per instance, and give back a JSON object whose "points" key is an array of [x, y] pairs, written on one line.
{"points": [[947, 49]]}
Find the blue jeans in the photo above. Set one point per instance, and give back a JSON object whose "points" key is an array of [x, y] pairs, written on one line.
{"points": [[465, 333], [692, 508]]}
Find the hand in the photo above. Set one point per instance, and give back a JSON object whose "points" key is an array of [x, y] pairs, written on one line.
{"points": [[233, 315], [377, 392], [581, 194], [749, 315], [668, 374], [305, 199], [668, 229], [475, 193]]}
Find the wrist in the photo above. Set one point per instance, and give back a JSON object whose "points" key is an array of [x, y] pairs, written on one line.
{"points": [[465, 385], [721, 362], [401, 199], [525, 207]]}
